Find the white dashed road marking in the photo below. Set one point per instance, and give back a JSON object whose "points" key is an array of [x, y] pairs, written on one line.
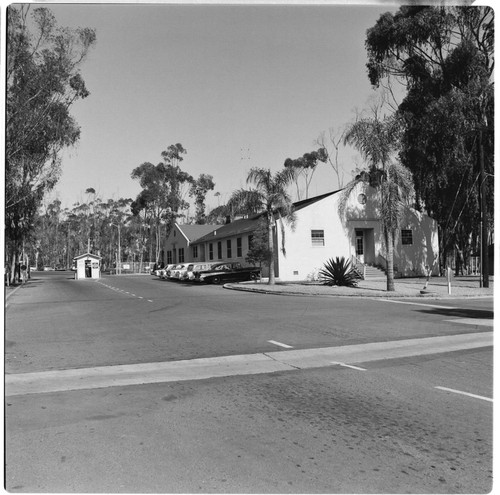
{"points": [[349, 366], [116, 289], [413, 303], [280, 344], [464, 393]]}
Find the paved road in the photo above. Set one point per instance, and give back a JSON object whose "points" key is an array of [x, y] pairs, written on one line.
{"points": [[413, 424]]}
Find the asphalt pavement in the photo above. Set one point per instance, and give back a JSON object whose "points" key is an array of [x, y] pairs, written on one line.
{"points": [[131, 384]]}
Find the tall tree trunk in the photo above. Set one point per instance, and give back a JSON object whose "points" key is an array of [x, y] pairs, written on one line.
{"points": [[389, 237], [271, 249]]}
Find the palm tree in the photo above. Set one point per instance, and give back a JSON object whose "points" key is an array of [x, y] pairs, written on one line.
{"points": [[377, 142], [270, 197]]}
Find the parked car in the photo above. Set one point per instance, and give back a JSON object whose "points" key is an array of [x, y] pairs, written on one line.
{"points": [[227, 272], [167, 271], [175, 273], [183, 274], [193, 268]]}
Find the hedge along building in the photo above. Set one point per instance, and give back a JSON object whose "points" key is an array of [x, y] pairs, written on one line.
{"points": [[319, 233]]}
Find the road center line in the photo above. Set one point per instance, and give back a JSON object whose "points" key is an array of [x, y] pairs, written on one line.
{"points": [[464, 393], [280, 344]]}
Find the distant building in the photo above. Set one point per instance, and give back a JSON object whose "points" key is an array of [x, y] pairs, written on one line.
{"points": [[229, 242], [177, 247]]}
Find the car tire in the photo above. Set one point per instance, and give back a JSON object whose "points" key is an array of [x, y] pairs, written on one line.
{"points": [[216, 280], [253, 276]]}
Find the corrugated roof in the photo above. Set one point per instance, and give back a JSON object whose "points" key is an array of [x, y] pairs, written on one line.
{"points": [[193, 232]]}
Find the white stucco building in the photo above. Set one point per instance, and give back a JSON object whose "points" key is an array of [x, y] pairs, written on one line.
{"points": [[319, 233]]}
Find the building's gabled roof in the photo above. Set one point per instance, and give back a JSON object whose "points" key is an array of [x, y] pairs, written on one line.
{"points": [[87, 255], [246, 225], [193, 232], [229, 229], [306, 202]]}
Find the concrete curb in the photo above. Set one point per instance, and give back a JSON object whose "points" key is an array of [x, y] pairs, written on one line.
{"points": [[8, 293], [237, 365], [367, 294]]}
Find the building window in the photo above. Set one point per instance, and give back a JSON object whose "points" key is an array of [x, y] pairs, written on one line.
{"points": [[250, 240], [239, 252], [181, 255], [318, 237], [406, 237], [219, 250], [195, 252], [228, 248], [169, 257], [211, 251]]}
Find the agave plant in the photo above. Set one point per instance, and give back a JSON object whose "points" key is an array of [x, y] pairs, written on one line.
{"points": [[338, 272]]}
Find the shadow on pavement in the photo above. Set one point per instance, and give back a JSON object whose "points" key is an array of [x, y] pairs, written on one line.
{"points": [[459, 312]]}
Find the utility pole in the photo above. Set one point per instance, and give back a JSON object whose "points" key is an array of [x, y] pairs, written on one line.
{"points": [[484, 217]]}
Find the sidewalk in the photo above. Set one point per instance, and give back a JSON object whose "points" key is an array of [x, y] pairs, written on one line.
{"points": [[437, 288]]}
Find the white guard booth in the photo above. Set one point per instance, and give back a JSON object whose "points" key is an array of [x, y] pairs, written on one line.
{"points": [[87, 266]]}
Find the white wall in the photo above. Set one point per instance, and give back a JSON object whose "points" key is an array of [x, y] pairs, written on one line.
{"points": [[414, 260], [303, 260]]}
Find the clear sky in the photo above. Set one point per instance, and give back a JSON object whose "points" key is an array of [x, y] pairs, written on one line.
{"points": [[239, 86]]}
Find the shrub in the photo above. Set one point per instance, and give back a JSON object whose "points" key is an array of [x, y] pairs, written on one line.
{"points": [[338, 272]]}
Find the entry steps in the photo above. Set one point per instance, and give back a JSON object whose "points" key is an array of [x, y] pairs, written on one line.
{"points": [[369, 272]]}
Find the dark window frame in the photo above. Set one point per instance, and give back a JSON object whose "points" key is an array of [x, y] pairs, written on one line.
{"points": [[406, 237], [317, 237]]}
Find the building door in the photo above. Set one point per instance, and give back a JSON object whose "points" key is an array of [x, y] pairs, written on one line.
{"points": [[360, 245], [88, 269]]}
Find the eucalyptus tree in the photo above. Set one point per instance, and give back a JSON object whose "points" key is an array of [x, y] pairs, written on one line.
{"points": [[377, 141], [114, 231], [331, 146], [271, 198], [164, 187], [199, 189], [444, 55], [304, 167], [43, 80]]}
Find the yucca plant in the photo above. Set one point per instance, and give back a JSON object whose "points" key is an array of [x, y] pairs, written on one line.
{"points": [[339, 272]]}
